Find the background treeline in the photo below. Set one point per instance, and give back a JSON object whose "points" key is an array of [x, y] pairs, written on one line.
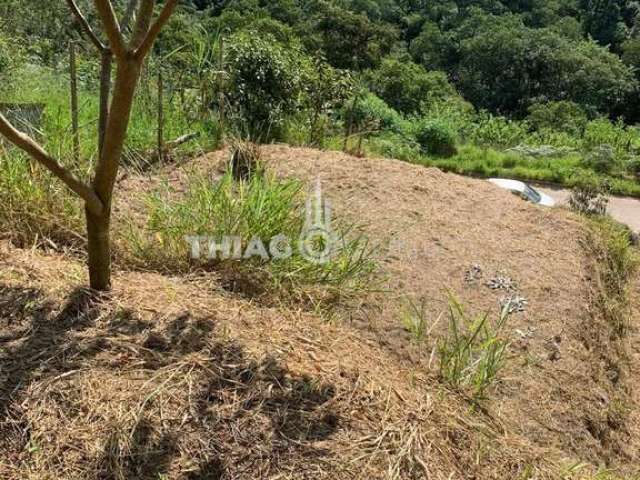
{"points": [[538, 89]]}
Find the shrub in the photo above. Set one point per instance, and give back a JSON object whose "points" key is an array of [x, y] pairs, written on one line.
{"points": [[561, 116], [602, 131], [370, 112], [436, 137], [405, 86], [326, 89], [590, 195], [265, 82], [602, 159], [393, 145]]}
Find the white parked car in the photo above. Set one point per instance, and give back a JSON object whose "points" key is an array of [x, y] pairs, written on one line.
{"points": [[525, 191]]}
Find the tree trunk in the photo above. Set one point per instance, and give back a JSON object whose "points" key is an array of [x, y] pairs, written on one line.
{"points": [[106, 172], [99, 251], [106, 62]]}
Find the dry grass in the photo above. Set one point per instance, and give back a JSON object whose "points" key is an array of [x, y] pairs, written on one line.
{"points": [[176, 376]]}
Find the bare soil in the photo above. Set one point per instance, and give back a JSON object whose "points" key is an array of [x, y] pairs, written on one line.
{"points": [[176, 376]]}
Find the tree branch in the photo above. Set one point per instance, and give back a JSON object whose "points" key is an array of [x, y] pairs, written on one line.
{"points": [[128, 15], [85, 25], [26, 144], [154, 31], [111, 27], [145, 15]]}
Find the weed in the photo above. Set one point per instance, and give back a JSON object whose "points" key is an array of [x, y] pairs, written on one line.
{"points": [[263, 208], [589, 196], [415, 321], [617, 262], [473, 352], [34, 206]]}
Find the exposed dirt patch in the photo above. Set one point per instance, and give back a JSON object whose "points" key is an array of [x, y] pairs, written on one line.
{"points": [[175, 377], [178, 376], [436, 227]]}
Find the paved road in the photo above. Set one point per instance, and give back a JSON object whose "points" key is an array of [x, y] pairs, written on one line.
{"points": [[623, 209]]}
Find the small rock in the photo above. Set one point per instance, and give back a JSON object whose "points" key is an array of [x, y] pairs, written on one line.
{"points": [[502, 282], [473, 274], [514, 303]]}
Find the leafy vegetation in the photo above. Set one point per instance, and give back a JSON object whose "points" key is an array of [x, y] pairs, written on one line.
{"points": [[610, 244], [255, 226], [473, 352], [419, 82]]}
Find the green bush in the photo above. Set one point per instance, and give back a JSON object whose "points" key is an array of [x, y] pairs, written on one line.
{"points": [[436, 137], [394, 145], [563, 116], [326, 89], [634, 167], [406, 87], [602, 131], [266, 83], [602, 159], [370, 112]]}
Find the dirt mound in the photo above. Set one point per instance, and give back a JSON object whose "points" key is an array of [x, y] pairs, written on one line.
{"points": [[175, 376]]}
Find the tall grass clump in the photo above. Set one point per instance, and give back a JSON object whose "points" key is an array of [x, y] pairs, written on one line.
{"points": [[473, 352], [415, 320], [617, 262], [35, 207], [260, 207]]}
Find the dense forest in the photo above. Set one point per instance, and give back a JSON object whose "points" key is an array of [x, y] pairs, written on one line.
{"points": [[501, 56], [420, 81]]}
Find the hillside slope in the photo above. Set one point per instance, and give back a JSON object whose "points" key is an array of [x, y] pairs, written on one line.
{"points": [[176, 376]]}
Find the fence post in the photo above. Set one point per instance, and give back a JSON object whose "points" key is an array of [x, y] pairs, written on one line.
{"points": [[221, 111], [349, 127], [160, 116], [75, 123]]}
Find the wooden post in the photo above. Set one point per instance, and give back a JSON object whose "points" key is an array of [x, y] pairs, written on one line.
{"points": [[160, 116], [75, 123], [349, 126], [221, 112]]}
